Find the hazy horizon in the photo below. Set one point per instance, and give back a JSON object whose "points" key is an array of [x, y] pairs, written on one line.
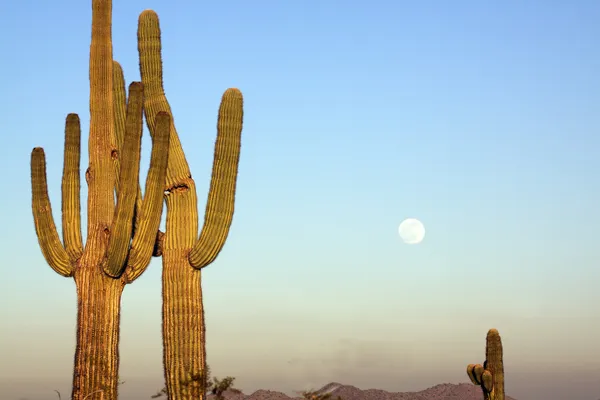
{"points": [[481, 119]]}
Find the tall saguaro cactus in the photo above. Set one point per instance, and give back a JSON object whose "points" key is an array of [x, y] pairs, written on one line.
{"points": [[114, 254], [184, 254], [490, 375]]}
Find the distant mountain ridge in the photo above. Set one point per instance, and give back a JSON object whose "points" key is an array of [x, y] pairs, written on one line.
{"points": [[444, 391]]}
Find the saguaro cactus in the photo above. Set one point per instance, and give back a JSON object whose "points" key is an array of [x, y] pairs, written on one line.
{"points": [[183, 253], [490, 375], [113, 255]]}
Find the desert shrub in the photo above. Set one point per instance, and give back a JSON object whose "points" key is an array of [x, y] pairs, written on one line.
{"points": [[215, 386]]}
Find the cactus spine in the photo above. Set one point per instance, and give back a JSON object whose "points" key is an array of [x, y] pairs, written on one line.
{"points": [[184, 254], [490, 375], [113, 254]]}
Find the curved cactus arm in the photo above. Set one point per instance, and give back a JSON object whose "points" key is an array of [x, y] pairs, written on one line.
{"points": [[120, 107], [470, 374], [53, 250], [221, 196], [475, 379], [155, 101], [487, 381], [478, 371], [149, 49], [71, 189], [143, 243], [122, 225]]}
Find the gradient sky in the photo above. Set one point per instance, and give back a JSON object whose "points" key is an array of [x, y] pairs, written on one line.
{"points": [[481, 118]]}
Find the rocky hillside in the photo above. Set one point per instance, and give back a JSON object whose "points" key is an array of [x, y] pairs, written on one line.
{"points": [[444, 391]]}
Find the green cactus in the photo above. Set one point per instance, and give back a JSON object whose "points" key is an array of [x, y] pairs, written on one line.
{"points": [[490, 375], [183, 253], [113, 254]]}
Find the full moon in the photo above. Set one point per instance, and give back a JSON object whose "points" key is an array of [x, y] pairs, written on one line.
{"points": [[411, 231]]}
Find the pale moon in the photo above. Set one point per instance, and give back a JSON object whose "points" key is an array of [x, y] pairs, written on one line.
{"points": [[411, 231]]}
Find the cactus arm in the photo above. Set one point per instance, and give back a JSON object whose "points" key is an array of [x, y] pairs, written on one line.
{"points": [[155, 101], [221, 196], [120, 107], [100, 174], [488, 383], [471, 373], [143, 243], [71, 189], [53, 250], [118, 245], [181, 199]]}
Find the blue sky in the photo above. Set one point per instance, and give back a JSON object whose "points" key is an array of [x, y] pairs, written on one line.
{"points": [[479, 118]]}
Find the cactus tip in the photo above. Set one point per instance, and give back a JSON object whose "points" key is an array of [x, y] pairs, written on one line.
{"points": [[233, 92], [148, 13], [136, 86]]}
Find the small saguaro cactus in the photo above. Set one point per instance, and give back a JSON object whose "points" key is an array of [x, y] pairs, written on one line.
{"points": [[120, 238], [184, 254], [490, 375]]}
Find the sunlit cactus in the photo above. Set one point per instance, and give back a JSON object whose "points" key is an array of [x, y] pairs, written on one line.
{"points": [[114, 254], [184, 253], [490, 375]]}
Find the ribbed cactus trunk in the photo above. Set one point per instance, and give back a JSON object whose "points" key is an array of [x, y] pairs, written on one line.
{"points": [[115, 253], [183, 329], [184, 254], [490, 375], [97, 351]]}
